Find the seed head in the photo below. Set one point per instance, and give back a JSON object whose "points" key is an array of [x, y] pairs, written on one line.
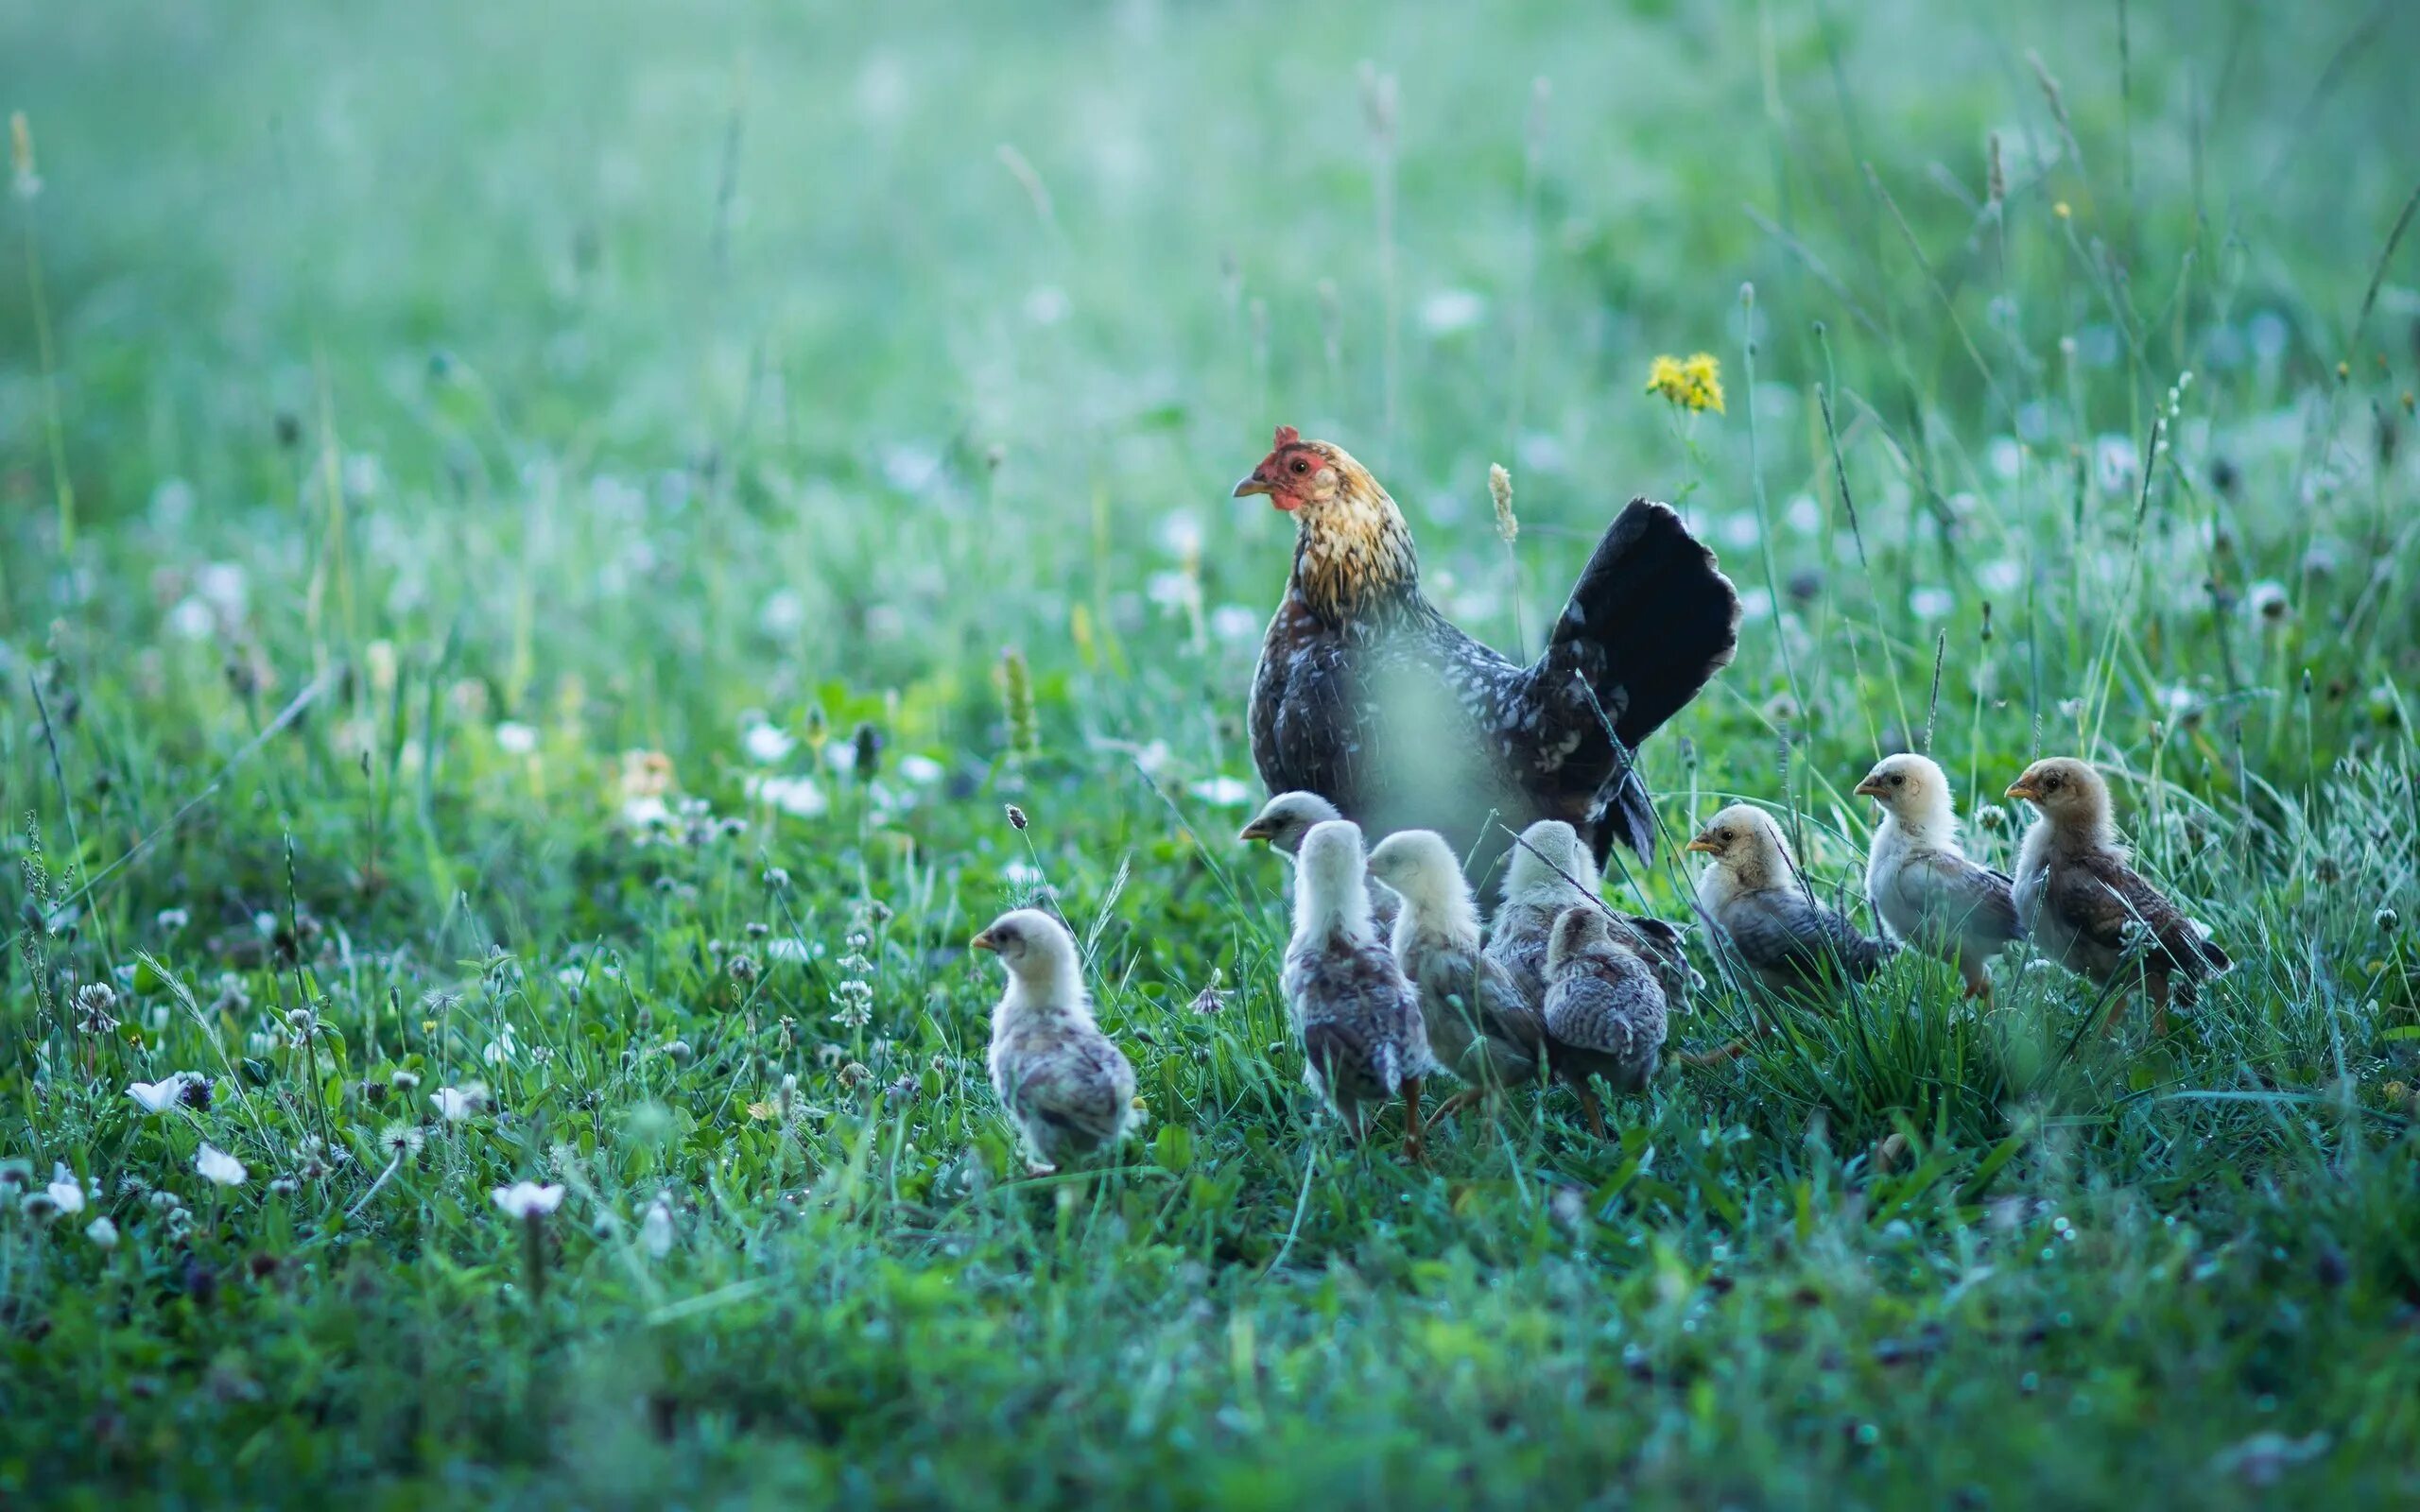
{"points": [[1499, 487], [1016, 703], [21, 157], [1016, 816]]}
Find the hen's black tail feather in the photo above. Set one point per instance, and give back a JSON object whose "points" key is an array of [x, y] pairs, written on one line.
{"points": [[1653, 601], [1661, 619]]}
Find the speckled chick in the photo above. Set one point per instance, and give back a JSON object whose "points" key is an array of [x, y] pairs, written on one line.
{"points": [[1546, 873], [1604, 1009], [1285, 819], [1766, 917], [1917, 877], [1479, 1023], [1069, 1090], [2088, 909], [1358, 1019]]}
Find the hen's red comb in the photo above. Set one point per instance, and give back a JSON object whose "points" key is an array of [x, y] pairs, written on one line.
{"points": [[1286, 436]]}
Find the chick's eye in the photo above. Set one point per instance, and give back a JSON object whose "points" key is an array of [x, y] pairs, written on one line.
{"points": [[2049, 785], [1896, 780]]}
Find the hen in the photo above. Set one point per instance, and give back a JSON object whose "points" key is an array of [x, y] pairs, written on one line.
{"points": [[1368, 696], [1922, 887], [2089, 910], [1069, 1090]]}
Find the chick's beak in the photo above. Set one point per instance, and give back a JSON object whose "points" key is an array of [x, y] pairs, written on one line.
{"points": [[1871, 787], [1701, 843], [2019, 789], [985, 942], [1257, 830]]}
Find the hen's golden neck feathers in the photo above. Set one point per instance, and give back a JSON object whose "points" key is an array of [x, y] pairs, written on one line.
{"points": [[1353, 551]]}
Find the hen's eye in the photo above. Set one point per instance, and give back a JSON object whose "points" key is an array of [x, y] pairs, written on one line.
{"points": [[1301, 466]]}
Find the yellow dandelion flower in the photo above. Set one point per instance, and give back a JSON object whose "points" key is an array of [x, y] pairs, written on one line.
{"points": [[761, 1113], [1694, 382], [2061, 210], [1706, 379]]}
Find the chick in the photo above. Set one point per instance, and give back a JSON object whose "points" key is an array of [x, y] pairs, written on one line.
{"points": [[1363, 1039], [1547, 872], [1922, 887], [1604, 1009], [2091, 912], [1286, 818], [1070, 1091], [1764, 914], [1479, 1023]]}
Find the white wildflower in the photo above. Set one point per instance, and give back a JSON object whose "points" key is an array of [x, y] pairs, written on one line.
{"points": [[527, 1199], [766, 743], [219, 1168]]}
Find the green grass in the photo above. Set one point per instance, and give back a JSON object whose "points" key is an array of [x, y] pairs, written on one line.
{"points": [[440, 404]]}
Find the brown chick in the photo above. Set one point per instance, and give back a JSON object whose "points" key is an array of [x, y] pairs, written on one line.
{"points": [[1547, 873], [1764, 915], [1918, 879], [1604, 1011], [2089, 910], [1363, 1039], [1480, 1024], [1069, 1090], [1286, 818]]}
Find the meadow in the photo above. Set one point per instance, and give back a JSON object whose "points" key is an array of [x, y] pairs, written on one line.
{"points": [[538, 551]]}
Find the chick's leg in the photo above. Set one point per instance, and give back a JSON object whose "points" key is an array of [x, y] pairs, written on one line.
{"points": [[1589, 1104], [1411, 1120], [1457, 1102], [2159, 986]]}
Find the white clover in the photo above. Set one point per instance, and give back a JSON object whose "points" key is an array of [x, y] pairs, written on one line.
{"points": [[527, 1199], [766, 743], [514, 738], [798, 797], [922, 770], [219, 1168], [102, 1233]]}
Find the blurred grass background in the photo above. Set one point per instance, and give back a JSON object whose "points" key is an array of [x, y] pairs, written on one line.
{"points": [[543, 383]]}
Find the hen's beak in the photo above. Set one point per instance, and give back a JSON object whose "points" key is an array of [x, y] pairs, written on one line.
{"points": [[1871, 787], [1257, 830], [1254, 484], [1701, 843], [985, 942], [2018, 789]]}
